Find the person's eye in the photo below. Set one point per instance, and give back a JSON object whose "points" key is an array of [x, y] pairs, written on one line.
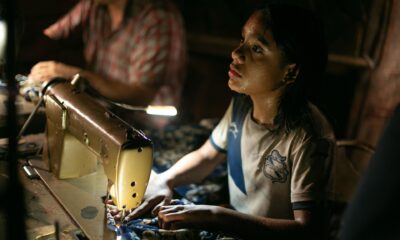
{"points": [[256, 49], [242, 40]]}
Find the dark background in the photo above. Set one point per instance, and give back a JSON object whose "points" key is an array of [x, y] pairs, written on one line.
{"points": [[354, 31]]}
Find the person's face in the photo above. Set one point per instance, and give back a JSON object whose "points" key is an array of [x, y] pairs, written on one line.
{"points": [[257, 66]]}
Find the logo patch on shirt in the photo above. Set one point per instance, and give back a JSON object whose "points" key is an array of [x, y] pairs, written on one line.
{"points": [[233, 129], [275, 168]]}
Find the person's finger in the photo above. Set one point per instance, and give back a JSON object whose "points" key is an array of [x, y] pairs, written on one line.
{"points": [[174, 201], [114, 212], [173, 221], [177, 225], [141, 209], [171, 216], [156, 209], [48, 32], [164, 210], [117, 217]]}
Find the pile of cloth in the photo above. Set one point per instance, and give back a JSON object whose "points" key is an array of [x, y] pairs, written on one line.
{"points": [[148, 228]]}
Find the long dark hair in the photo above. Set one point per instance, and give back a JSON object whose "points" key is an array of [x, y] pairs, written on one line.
{"points": [[298, 34]]}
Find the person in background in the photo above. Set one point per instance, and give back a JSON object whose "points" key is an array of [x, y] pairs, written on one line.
{"points": [[278, 146], [135, 52]]}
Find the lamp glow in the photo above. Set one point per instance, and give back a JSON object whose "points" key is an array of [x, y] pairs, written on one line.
{"points": [[161, 110], [168, 111]]}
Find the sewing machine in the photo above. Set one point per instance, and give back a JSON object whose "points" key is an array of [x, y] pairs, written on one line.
{"points": [[82, 137], [80, 132]]}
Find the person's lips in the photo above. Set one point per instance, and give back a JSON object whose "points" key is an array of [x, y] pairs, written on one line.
{"points": [[233, 72]]}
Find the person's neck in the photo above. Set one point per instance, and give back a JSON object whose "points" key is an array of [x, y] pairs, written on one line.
{"points": [[265, 107], [116, 10]]}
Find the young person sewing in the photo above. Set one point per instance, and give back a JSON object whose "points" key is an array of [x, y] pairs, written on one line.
{"points": [[277, 145]]}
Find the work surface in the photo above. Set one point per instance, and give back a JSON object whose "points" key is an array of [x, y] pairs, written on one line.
{"points": [[44, 209], [43, 212], [71, 204]]}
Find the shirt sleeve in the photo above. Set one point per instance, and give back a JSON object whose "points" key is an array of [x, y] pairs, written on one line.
{"points": [[150, 57], [311, 170], [219, 136], [70, 22]]}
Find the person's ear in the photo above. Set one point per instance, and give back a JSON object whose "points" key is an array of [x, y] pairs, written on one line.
{"points": [[292, 71]]}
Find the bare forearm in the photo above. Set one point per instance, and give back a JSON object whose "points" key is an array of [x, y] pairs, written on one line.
{"points": [[114, 90], [194, 167], [189, 169]]}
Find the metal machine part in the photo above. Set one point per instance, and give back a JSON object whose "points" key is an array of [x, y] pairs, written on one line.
{"points": [[89, 151], [81, 133]]}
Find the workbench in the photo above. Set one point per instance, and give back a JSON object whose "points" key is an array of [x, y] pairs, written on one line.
{"points": [[74, 206]]}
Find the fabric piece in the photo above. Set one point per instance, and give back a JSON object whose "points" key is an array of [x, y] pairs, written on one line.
{"points": [[173, 143], [148, 228]]}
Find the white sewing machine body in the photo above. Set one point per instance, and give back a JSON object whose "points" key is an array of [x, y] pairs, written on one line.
{"points": [[80, 134]]}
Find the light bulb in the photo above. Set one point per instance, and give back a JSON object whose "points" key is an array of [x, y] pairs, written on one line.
{"points": [[161, 110]]}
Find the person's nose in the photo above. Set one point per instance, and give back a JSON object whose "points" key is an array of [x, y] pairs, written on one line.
{"points": [[237, 54]]}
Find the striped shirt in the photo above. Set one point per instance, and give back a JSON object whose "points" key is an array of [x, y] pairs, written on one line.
{"points": [[149, 47]]}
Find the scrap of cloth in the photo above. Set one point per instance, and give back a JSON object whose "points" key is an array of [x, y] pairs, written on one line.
{"points": [[173, 143], [147, 228]]}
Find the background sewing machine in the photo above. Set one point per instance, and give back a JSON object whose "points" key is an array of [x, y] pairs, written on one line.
{"points": [[88, 153]]}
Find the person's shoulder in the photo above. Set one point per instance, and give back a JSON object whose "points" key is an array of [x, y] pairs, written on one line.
{"points": [[320, 126], [317, 127]]}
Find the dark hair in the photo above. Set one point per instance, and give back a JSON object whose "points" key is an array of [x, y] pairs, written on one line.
{"points": [[299, 36]]}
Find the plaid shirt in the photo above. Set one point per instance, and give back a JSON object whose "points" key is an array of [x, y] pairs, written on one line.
{"points": [[148, 47]]}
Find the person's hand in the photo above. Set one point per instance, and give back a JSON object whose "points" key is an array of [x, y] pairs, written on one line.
{"points": [[48, 70], [52, 32], [30, 90], [187, 216], [158, 194], [113, 210]]}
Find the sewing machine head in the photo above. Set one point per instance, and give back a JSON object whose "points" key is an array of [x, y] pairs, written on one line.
{"points": [[80, 134]]}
